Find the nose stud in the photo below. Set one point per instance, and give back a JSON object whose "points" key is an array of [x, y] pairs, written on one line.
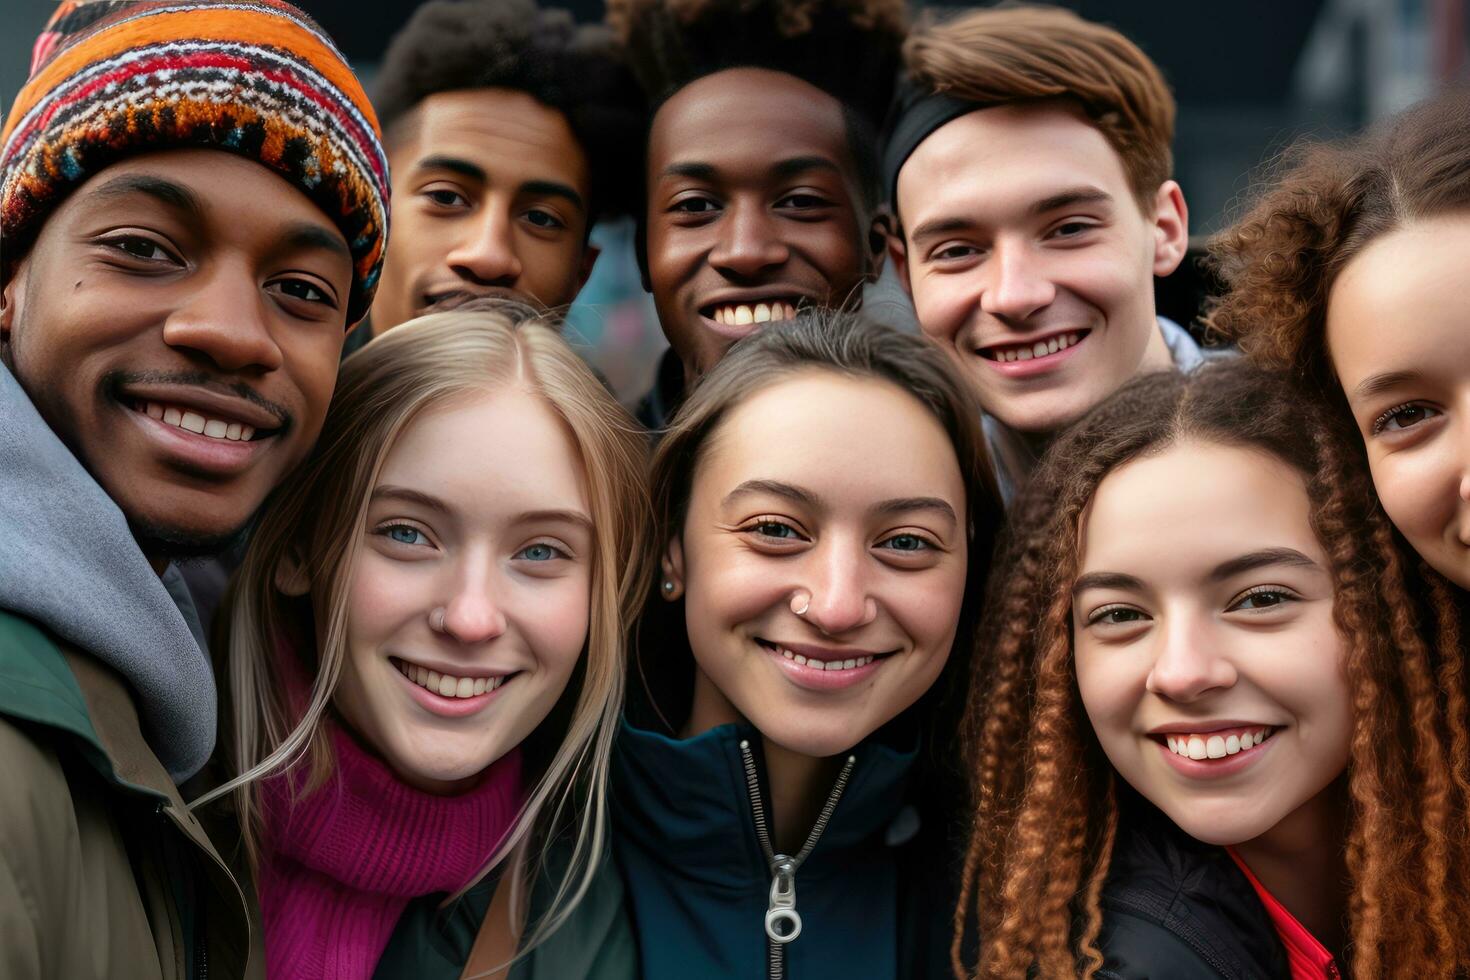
{"points": [[801, 602], [436, 620]]}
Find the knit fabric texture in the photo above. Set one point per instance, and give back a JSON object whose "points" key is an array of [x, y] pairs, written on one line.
{"points": [[113, 78], [343, 861]]}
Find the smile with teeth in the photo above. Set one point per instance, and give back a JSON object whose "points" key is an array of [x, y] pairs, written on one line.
{"points": [[848, 664], [447, 685], [1218, 745], [1040, 348], [740, 314], [192, 421]]}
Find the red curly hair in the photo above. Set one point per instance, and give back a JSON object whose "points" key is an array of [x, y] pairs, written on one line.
{"points": [[1326, 203], [1044, 793]]}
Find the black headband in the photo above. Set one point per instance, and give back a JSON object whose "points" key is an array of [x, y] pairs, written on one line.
{"points": [[914, 115]]}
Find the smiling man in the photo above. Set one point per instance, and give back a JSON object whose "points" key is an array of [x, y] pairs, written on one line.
{"points": [[761, 168], [166, 356], [1028, 157], [510, 131]]}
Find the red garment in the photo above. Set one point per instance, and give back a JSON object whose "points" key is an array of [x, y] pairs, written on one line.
{"points": [[1308, 958]]}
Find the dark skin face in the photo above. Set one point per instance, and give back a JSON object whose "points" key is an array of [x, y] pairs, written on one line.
{"points": [[153, 305], [490, 198], [753, 201]]}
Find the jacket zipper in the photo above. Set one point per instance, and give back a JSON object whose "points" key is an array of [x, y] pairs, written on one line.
{"points": [[783, 922]]}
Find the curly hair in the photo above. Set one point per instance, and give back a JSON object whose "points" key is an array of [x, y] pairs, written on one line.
{"points": [[1043, 791], [580, 71], [1031, 54], [1324, 203], [847, 48]]}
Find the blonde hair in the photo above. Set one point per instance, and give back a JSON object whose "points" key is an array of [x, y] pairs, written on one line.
{"points": [[317, 520], [1026, 54]]}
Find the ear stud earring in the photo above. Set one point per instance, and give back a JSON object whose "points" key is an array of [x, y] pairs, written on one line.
{"points": [[668, 586]]}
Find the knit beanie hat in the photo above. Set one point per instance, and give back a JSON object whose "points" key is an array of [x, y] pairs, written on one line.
{"points": [[113, 78]]}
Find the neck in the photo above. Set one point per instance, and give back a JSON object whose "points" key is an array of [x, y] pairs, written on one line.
{"points": [[1301, 862], [1156, 356], [797, 784]]}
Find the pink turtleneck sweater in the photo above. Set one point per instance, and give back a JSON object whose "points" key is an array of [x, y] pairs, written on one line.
{"points": [[343, 862]]}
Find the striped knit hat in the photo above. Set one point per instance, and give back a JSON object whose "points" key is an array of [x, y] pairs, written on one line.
{"points": [[111, 78]]}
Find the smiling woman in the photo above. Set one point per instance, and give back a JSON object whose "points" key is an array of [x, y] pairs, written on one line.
{"points": [[426, 647], [1232, 740], [825, 515]]}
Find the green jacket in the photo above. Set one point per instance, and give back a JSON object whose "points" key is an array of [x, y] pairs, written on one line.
{"points": [[594, 943], [103, 872]]}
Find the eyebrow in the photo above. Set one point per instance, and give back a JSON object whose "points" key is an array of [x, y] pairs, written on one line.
{"points": [[1376, 384], [897, 505], [304, 236], [552, 188], [388, 491], [1266, 557], [1225, 570], [455, 165], [174, 195], [564, 516], [781, 169], [1068, 198]]}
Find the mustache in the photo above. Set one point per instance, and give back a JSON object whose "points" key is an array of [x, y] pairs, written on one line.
{"points": [[114, 381]]}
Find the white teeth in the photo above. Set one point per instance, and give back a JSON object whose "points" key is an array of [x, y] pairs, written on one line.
{"points": [[447, 686], [1024, 354], [762, 313], [1215, 746], [1053, 345], [719, 314], [743, 315], [824, 664], [1040, 349], [198, 424]]}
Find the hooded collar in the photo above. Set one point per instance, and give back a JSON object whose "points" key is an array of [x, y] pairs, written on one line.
{"points": [[70, 564]]}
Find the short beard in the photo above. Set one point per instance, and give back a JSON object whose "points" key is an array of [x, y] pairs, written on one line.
{"points": [[161, 541]]}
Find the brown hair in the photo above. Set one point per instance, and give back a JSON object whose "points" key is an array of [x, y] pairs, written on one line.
{"points": [[851, 345], [1033, 54], [1327, 202], [1045, 795]]}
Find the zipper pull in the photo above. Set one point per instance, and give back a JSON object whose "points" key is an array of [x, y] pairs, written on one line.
{"points": [[783, 922]]}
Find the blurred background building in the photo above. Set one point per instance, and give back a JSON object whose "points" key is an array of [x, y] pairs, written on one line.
{"points": [[1251, 76]]}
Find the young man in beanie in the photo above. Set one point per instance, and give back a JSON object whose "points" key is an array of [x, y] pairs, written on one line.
{"points": [[1028, 158], [167, 353], [510, 131], [761, 164]]}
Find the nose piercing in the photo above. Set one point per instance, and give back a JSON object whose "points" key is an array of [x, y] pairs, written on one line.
{"points": [[436, 620], [801, 602]]}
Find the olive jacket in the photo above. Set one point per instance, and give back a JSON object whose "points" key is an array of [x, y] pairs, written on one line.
{"points": [[103, 872]]}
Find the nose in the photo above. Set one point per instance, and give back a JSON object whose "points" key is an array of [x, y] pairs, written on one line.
{"points": [[749, 243], [1018, 287], [840, 600], [486, 255], [224, 320], [1189, 664], [472, 612]]}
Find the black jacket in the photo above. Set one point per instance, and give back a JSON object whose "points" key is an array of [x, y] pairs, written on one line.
{"points": [[1175, 908]]}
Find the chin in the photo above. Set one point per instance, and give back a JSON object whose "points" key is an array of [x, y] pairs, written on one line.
{"points": [[816, 744]]}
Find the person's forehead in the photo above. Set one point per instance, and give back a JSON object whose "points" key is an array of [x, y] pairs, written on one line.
{"points": [[494, 129], [1006, 158], [748, 112]]}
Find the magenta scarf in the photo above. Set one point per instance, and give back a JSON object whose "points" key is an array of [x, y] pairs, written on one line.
{"points": [[343, 862]]}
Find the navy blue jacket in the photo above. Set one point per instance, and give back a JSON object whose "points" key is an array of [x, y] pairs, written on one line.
{"points": [[875, 894]]}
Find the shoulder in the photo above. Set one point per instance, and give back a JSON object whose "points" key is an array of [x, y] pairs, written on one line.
{"points": [[1174, 907], [595, 940], [36, 684]]}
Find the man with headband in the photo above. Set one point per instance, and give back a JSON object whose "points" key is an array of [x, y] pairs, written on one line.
{"points": [[1028, 161], [194, 208]]}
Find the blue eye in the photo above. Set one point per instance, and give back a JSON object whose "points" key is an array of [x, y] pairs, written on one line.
{"points": [[775, 529], [540, 552], [404, 534], [906, 542]]}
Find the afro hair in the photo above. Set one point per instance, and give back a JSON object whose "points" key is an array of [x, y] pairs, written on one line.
{"points": [[578, 70]]}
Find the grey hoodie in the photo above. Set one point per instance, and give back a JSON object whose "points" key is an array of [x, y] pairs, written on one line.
{"points": [[69, 563]]}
